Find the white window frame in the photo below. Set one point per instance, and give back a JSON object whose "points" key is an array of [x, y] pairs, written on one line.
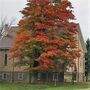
{"points": [[55, 76], [20, 76], [3, 75], [39, 76]]}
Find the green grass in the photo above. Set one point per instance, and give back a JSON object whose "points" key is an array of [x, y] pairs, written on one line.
{"points": [[66, 86]]}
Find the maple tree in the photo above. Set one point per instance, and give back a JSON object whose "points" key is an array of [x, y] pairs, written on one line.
{"points": [[46, 39]]}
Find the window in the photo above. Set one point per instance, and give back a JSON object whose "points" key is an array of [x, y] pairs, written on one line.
{"points": [[38, 76], [5, 56], [4, 75], [0, 75], [55, 76], [5, 59], [20, 76]]}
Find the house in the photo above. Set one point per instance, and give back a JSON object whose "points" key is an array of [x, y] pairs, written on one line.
{"points": [[81, 61], [79, 69], [9, 73]]}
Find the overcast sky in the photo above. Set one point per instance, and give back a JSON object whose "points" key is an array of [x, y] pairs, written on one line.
{"points": [[11, 8]]}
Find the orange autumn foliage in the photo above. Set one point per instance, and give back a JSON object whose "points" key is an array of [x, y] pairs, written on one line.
{"points": [[46, 35]]}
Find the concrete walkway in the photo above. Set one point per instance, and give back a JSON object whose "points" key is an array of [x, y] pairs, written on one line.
{"points": [[84, 89]]}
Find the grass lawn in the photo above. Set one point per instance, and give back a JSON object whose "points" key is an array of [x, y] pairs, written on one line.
{"points": [[4, 86]]}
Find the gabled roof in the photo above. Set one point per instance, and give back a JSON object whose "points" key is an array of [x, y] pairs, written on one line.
{"points": [[7, 40]]}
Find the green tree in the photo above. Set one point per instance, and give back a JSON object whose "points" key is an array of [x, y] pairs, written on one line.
{"points": [[87, 59]]}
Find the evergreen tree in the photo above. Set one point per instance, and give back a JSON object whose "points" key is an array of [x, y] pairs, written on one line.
{"points": [[87, 59]]}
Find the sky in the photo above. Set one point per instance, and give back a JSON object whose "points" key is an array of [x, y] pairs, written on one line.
{"points": [[9, 9]]}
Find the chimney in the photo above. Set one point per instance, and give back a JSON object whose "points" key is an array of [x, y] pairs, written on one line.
{"points": [[5, 30]]}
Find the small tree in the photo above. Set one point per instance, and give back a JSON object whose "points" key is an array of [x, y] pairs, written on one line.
{"points": [[46, 40]]}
